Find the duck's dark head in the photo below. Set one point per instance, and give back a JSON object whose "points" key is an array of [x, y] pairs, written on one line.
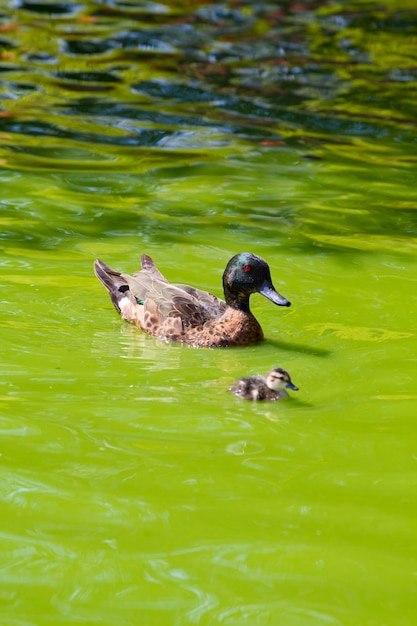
{"points": [[247, 273]]}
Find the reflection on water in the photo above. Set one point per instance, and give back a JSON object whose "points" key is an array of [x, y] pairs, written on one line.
{"points": [[134, 487], [140, 76]]}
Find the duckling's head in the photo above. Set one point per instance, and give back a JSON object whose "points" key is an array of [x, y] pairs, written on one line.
{"points": [[279, 379], [247, 273]]}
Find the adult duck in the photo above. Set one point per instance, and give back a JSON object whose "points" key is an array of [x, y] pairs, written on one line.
{"points": [[181, 313]]}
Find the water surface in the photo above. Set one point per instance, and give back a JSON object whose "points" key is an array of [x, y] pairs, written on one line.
{"points": [[134, 487]]}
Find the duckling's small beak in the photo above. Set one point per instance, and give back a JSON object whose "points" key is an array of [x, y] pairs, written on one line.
{"points": [[269, 292], [292, 386]]}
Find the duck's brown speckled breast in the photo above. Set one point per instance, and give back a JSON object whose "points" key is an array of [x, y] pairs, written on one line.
{"points": [[234, 328]]}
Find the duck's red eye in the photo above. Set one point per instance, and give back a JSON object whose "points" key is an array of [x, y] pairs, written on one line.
{"points": [[247, 268]]}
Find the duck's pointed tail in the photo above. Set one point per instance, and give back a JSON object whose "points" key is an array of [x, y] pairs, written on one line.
{"points": [[113, 281]]}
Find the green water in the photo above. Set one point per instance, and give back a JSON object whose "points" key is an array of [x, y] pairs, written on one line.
{"points": [[134, 488]]}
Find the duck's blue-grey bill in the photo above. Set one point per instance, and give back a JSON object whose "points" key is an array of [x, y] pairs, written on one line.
{"points": [[292, 386], [269, 292]]}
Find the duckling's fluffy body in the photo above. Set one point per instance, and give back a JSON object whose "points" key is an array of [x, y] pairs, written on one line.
{"points": [[270, 387], [186, 314]]}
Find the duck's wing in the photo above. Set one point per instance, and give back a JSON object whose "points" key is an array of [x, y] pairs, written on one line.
{"points": [[149, 295], [210, 303], [166, 300], [213, 305]]}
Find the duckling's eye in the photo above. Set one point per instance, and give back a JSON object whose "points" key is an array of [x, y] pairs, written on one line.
{"points": [[247, 268]]}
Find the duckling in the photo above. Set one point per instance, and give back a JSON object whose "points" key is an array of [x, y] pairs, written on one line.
{"points": [[270, 387], [186, 314]]}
